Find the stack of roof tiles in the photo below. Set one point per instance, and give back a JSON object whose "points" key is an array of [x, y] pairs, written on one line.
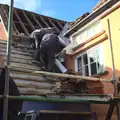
{"points": [[74, 86], [95, 87]]}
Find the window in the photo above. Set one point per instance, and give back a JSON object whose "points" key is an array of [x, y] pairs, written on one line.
{"points": [[91, 62], [87, 33]]}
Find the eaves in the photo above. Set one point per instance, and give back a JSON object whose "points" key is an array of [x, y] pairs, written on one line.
{"points": [[90, 17]]}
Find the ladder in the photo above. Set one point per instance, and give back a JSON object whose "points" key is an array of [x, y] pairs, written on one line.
{"points": [[31, 115]]}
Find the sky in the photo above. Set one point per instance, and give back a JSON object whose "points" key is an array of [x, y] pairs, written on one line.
{"points": [[67, 10]]}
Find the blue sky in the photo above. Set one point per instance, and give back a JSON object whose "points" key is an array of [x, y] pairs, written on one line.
{"points": [[67, 10]]}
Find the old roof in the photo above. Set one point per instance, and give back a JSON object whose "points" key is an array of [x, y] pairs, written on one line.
{"points": [[87, 17], [24, 22], [101, 2]]}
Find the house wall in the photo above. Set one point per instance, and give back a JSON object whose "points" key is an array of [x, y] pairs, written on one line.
{"points": [[3, 35], [115, 34], [102, 38]]}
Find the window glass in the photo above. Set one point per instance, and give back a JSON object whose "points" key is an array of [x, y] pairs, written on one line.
{"points": [[87, 33], [91, 62]]}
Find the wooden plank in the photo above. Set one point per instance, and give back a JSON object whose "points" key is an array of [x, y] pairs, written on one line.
{"points": [[16, 30], [17, 56], [28, 20], [4, 42], [35, 91], [3, 49], [64, 112], [33, 83], [14, 27], [77, 77], [22, 61], [5, 17], [22, 85], [21, 70], [44, 21], [59, 24], [24, 28], [25, 66], [36, 20], [27, 77], [53, 24]]}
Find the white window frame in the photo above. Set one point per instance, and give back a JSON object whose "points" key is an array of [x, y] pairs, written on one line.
{"points": [[80, 33], [101, 61]]}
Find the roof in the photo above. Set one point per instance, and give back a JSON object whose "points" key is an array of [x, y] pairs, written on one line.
{"points": [[87, 13], [102, 6], [101, 2], [24, 22], [78, 19]]}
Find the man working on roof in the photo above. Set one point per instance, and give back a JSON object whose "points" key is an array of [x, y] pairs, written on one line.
{"points": [[51, 45], [36, 37], [14, 106]]}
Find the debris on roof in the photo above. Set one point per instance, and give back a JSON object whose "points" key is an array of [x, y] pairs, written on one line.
{"points": [[72, 86], [24, 22]]}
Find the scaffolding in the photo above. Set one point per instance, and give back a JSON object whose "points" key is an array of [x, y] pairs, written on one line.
{"points": [[94, 99]]}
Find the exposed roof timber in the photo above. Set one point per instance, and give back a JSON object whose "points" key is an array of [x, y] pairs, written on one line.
{"points": [[15, 28], [24, 28], [53, 25], [59, 24], [44, 21], [33, 28], [24, 22], [36, 20], [5, 11], [4, 19]]}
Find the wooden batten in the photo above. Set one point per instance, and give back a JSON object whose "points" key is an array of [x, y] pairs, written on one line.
{"points": [[27, 77], [22, 25], [22, 61], [5, 8], [53, 24], [43, 20], [30, 23], [59, 24], [35, 91], [3, 49], [36, 21], [17, 56]]}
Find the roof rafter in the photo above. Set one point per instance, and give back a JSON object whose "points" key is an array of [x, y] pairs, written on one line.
{"points": [[53, 25], [4, 9], [16, 28], [59, 24], [36, 20], [28, 20], [44, 21], [24, 28]]}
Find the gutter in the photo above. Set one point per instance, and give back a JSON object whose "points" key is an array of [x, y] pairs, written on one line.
{"points": [[90, 17]]}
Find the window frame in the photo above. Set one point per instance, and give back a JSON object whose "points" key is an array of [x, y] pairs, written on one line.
{"points": [[89, 63], [80, 34]]}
